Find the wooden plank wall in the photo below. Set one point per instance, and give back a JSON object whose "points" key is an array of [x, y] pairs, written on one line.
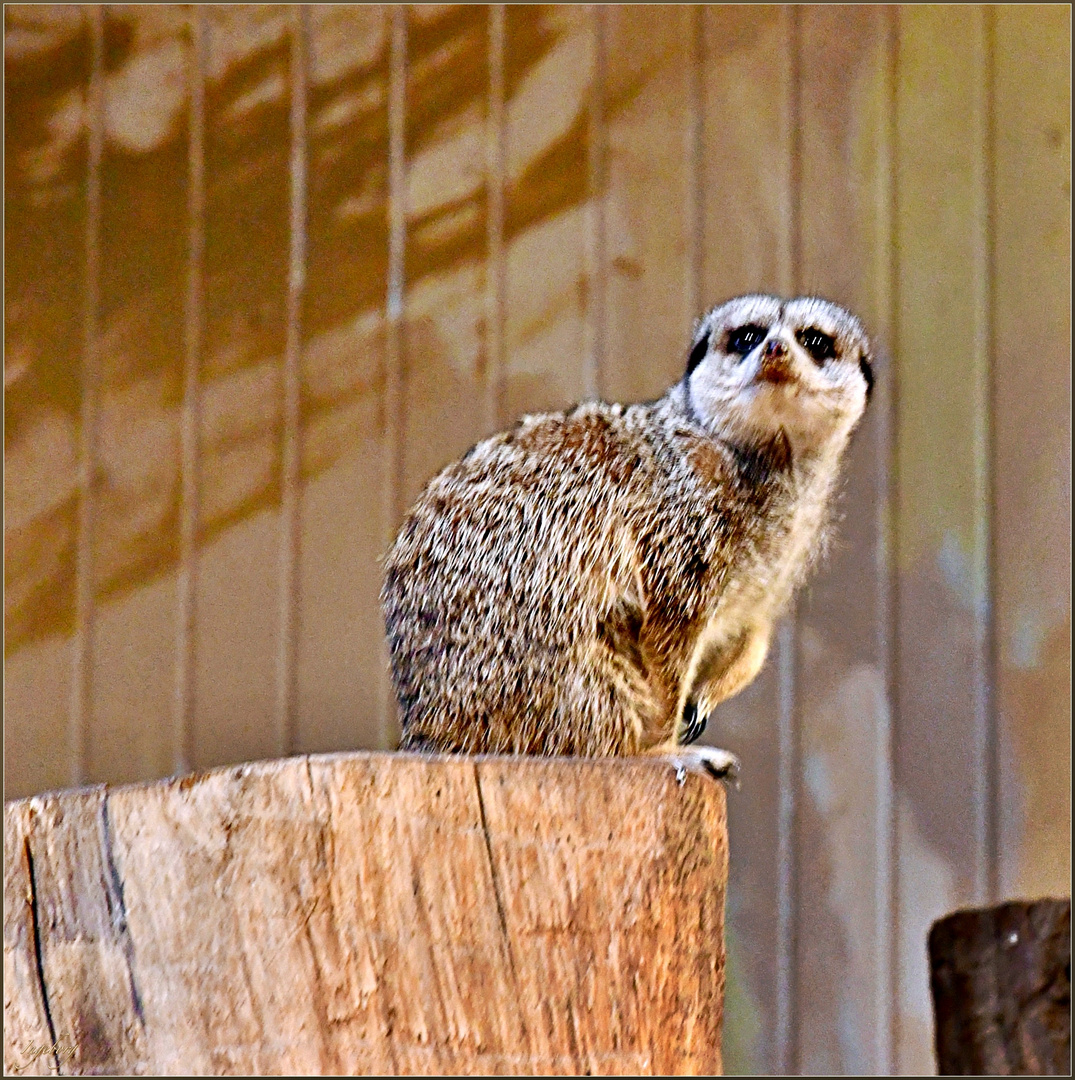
{"points": [[268, 268]]}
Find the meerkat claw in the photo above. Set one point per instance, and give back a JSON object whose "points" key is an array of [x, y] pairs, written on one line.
{"points": [[720, 764]]}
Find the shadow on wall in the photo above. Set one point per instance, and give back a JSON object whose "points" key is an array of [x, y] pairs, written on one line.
{"points": [[144, 246]]}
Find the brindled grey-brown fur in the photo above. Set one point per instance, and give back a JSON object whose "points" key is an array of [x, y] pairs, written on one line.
{"points": [[583, 582]]}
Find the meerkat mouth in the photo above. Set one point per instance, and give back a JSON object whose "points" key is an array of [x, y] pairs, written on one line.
{"points": [[776, 376], [787, 385]]}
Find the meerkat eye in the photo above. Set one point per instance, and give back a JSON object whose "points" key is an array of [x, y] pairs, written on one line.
{"points": [[746, 338], [819, 345]]}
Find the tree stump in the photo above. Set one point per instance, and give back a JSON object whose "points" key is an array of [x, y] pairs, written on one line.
{"points": [[370, 913], [1001, 980]]}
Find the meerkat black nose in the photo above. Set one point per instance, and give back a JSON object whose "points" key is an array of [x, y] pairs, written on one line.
{"points": [[775, 366]]}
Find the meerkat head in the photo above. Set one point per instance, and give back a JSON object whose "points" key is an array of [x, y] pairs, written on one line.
{"points": [[761, 366]]}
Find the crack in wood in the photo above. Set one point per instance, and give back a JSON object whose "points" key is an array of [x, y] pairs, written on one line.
{"points": [[496, 895], [114, 893], [38, 957], [493, 874]]}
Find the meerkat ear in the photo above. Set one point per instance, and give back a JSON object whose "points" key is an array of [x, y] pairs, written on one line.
{"points": [[866, 367], [698, 353]]}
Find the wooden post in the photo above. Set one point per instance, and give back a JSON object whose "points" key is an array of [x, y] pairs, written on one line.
{"points": [[370, 913], [1001, 980]]}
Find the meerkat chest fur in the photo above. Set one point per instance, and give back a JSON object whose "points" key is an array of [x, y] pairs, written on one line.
{"points": [[788, 534], [589, 581]]}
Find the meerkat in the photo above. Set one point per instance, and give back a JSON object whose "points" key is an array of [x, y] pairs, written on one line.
{"points": [[594, 582]]}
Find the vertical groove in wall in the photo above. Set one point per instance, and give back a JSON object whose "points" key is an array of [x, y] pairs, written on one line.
{"points": [[695, 165], [291, 434], [494, 211], [789, 736], [597, 138], [85, 571], [987, 795], [186, 585], [885, 902], [393, 418], [787, 914]]}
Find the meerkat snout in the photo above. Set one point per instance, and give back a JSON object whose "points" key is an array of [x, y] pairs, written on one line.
{"points": [[774, 367]]}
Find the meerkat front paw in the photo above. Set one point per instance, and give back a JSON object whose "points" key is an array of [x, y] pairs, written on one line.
{"points": [[720, 764]]}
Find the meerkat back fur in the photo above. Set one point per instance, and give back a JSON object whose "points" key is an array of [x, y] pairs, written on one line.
{"points": [[596, 581]]}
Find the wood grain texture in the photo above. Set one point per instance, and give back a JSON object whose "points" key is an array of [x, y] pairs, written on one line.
{"points": [[371, 913], [1001, 981]]}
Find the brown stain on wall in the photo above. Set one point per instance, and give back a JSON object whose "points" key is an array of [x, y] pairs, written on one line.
{"points": [[144, 246]]}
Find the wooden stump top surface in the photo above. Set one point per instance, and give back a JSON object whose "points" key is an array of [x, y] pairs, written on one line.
{"points": [[360, 913]]}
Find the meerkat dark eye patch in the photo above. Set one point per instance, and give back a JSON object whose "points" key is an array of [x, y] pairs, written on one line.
{"points": [[745, 338], [817, 343], [698, 353], [867, 373]]}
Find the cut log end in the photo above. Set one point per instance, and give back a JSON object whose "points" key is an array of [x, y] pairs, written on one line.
{"points": [[370, 913], [1001, 981]]}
